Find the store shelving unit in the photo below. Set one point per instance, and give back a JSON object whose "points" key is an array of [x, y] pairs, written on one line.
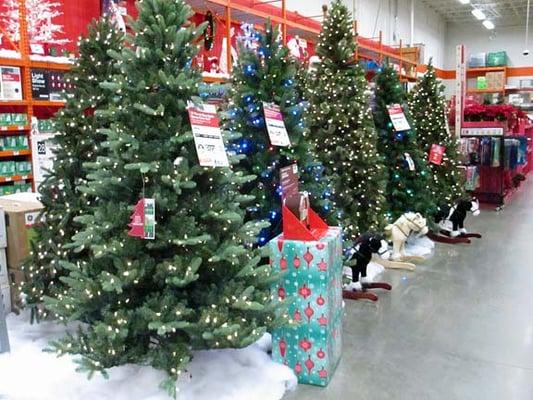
{"points": [[28, 105], [475, 72], [307, 27]]}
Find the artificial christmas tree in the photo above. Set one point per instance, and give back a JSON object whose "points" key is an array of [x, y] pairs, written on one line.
{"points": [[409, 177], [78, 141], [429, 112], [264, 79], [192, 285], [342, 128], [40, 15]]}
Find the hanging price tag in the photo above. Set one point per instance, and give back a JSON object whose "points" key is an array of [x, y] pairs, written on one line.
{"points": [[275, 126], [143, 220], [436, 153], [397, 118], [207, 136], [410, 161]]}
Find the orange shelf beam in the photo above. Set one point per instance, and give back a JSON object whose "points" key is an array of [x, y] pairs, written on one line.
{"points": [[13, 103], [14, 128], [14, 153], [485, 90], [48, 103], [15, 178]]}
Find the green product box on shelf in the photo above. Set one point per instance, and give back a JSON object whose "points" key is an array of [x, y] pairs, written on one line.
{"points": [[481, 82], [7, 168], [10, 142], [311, 289], [22, 142], [46, 125], [5, 119], [23, 168], [8, 189], [19, 119], [497, 59]]}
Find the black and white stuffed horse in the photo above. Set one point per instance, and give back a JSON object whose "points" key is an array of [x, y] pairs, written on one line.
{"points": [[451, 220], [359, 257]]}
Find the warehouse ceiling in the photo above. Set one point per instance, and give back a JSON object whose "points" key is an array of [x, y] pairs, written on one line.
{"points": [[501, 12]]}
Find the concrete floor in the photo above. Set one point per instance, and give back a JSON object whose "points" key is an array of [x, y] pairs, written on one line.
{"points": [[460, 327]]}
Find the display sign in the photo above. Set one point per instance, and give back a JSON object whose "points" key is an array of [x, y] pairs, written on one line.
{"points": [[39, 84], [207, 136], [460, 84], [436, 153], [10, 83], [289, 181], [42, 152], [275, 126], [397, 118], [143, 220]]}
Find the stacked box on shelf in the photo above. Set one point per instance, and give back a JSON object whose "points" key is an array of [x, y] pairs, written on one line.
{"points": [[46, 126], [312, 288], [481, 82], [13, 119], [477, 60], [7, 168], [22, 168], [497, 59], [5, 119]]}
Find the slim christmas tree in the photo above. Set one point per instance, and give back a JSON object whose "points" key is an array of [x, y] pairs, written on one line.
{"points": [[192, 283], [266, 74], [409, 177], [428, 109], [40, 16], [342, 128], [78, 141]]}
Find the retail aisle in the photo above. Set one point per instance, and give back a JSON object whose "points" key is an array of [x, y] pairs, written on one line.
{"points": [[461, 327]]}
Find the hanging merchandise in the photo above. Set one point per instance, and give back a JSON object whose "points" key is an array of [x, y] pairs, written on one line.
{"points": [[436, 154], [410, 163], [495, 150], [207, 136], [143, 220], [277, 132], [209, 33], [472, 178]]}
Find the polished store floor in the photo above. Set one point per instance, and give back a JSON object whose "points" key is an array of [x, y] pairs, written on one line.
{"points": [[458, 328]]}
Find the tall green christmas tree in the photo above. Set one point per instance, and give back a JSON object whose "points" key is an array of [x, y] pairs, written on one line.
{"points": [[342, 128], [409, 176], [266, 74], [428, 109], [78, 141], [193, 284]]}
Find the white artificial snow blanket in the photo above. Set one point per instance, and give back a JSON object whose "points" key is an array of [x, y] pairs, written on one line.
{"points": [[27, 373], [419, 246]]}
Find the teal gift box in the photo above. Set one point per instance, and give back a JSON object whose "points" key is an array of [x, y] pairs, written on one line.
{"points": [[311, 289]]}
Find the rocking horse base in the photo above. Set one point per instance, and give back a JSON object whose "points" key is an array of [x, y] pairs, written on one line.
{"points": [[471, 235], [394, 264], [444, 238], [350, 295]]}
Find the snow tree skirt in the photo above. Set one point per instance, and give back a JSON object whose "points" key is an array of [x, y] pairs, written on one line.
{"points": [[28, 373]]}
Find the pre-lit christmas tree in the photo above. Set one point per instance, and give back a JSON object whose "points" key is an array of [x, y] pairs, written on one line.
{"points": [[40, 15], [266, 73], [428, 109], [195, 285], [78, 141], [409, 177], [342, 128]]}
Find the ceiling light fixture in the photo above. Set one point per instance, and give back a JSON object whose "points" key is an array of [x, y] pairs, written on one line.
{"points": [[464, 1], [476, 12], [488, 24]]}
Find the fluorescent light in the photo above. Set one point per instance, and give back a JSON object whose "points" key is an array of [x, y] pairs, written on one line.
{"points": [[488, 24], [476, 12], [464, 1]]}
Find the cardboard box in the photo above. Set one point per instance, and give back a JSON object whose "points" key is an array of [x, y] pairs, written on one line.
{"points": [[22, 142], [481, 82], [312, 285], [10, 83], [497, 59], [7, 168], [5, 119], [21, 217], [477, 60], [9, 142]]}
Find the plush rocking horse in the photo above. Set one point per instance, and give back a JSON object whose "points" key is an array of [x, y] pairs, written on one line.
{"points": [[399, 232], [451, 222], [359, 257]]}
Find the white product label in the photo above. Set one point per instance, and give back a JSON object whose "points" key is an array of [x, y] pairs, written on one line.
{"points": [[207, 136], [277, 132], [397, 118]]}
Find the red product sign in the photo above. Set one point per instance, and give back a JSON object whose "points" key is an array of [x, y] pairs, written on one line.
{"points": [[289, 181], [436, 153]]}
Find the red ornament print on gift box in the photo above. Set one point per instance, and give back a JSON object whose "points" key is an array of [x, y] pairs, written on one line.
{"points": [[320, 301], [304, 291], [281, 293], [322, 266], [320, 246], [305, 344], [283, 263], [280, 245], [323, 374], [309, 312], [297, 316], [308, 257], [298, 368], [309, 364], [323, 321], [320, 354], [296, 262], [282, 347]]}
